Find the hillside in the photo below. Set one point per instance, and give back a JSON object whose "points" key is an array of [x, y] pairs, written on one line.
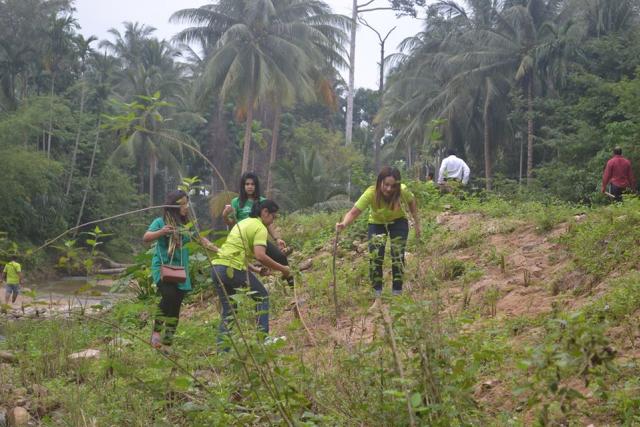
{"points": [[513, 314]]}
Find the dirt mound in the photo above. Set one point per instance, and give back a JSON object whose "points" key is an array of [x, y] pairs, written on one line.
{"points": [[523, 270], [522, 273]]}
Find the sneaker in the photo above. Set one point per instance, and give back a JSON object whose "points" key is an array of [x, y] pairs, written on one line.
{"points": [[273, 340], [156, 340]]}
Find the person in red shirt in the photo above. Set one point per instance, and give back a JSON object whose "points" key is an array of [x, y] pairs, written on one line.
{"points": [[618, 174]]}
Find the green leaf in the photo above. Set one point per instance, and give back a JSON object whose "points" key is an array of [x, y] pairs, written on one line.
{"points": [[182, 383], [416, 400]]}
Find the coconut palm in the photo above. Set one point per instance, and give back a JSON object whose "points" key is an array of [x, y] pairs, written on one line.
{"points": [[153, 81], [532, 43], [470, 60], [262, 48]]}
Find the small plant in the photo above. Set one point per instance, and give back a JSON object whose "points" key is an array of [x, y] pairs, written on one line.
{"points": [[574, 346], [490, 299], [526, 278], [450, 269]]}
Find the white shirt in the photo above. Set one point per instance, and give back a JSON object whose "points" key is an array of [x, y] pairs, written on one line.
{"points": [[454, 168]]}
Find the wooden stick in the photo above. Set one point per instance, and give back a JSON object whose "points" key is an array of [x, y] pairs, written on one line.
{"points": [[335, 282], [299, 312], [386, 319]]}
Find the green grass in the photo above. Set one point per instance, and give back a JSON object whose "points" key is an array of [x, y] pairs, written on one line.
{"points": [[430, 364]]}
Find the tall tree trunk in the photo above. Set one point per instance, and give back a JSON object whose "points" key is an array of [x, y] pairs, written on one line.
{"points": [[530, 130], [90, 174], [165, 175], [141, 176], [75, 148], [50, 118], [153, 161], [379, 132], [246, 150], [488, 173], [274, 147], [348, 132]]}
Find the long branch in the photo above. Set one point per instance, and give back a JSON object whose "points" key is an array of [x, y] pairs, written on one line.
{"points": [[364, 4], [374, 9], [97, 221]]}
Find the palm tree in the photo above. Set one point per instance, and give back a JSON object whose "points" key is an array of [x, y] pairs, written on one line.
{"points": [[101, 67], [262, 47], [153, 81], [467, 61], [60, 45], [23, 47], [128, 47], [532, 43], [84, 50]]}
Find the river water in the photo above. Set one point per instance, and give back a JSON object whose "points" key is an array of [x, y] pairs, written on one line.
{"points": [[74, 289]]}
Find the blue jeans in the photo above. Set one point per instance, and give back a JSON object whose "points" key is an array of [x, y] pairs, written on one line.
{"points": [[398, 231], [239, 279]]}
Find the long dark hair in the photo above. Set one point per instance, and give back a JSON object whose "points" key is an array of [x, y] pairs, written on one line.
{"points": [[394, 200], [269, 205], [172, 215], [243, 194]]}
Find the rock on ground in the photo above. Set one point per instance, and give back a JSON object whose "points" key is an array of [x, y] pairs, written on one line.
{"points": [[18, 417]]}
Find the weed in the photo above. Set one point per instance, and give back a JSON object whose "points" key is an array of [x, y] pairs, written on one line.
{"points": [[490, 299], [573, 346], [450, 269]]}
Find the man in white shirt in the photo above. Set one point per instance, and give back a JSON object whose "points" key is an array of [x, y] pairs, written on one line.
{"points": [[453, 168]]}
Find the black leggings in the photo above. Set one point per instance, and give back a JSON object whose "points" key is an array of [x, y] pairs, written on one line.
{"points": [[398, 231], [274, 252], [169, 310]]}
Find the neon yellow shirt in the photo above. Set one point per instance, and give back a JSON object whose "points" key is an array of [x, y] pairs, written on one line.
{"points": [[12, 269], [237, 250], [383, 214]]}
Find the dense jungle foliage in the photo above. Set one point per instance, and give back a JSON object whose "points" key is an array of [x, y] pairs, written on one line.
{"points": [[521, 304], [528, 91]]}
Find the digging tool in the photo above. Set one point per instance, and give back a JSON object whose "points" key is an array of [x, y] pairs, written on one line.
{"points": [[334, 284]]}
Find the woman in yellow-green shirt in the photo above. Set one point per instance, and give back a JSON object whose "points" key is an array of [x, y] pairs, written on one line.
{"points": [[246, 240], [387, 201]]}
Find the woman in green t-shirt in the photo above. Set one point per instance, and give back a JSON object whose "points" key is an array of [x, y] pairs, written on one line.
{"points": [[170, 236], [387, 201], [240, 209], [246, 240]]}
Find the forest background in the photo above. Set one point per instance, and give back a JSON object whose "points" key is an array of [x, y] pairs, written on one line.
{"points": [[533, 94]]}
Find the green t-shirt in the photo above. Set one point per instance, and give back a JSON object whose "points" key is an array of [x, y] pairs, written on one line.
{"points": [[383, 214], [237, 250], [245, 211], [161, 249], [11, 269]]}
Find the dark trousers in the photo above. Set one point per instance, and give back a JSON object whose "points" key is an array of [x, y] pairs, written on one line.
{"points": [[169, 310], [227, 281], [616, 192], [274, 252], [377, 234]]}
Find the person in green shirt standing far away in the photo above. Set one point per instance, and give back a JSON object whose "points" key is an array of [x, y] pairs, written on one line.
{"points": [[170, 235], [387, 201], [246, 240], [240, 209], [12, 276]]}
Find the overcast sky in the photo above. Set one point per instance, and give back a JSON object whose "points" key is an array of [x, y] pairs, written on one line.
{"points": [[97, 16]]}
